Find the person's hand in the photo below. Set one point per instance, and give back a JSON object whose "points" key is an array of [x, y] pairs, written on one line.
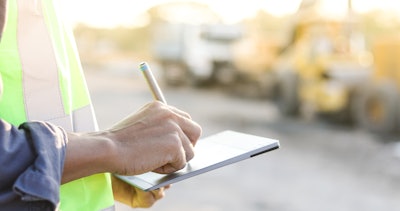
{"points": [[134, 197], [157, 138]]}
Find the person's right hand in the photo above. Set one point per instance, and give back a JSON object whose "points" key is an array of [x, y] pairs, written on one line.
{"points": [[157, 138]]}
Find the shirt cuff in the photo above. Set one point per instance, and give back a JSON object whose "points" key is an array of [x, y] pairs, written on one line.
{"points": [[41, 180]]}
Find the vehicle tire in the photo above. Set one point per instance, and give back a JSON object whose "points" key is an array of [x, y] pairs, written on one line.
{"points": [[225, 74], [287, 93], [376, 108], [174, 73]]}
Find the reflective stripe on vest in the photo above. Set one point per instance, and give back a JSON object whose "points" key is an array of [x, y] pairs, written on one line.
{"points": [[43, 80]]}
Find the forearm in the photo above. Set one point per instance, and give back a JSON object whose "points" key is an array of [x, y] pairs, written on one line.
{"points": [[87, 154]]}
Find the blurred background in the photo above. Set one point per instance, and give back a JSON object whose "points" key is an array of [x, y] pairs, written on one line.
{"points": [[323, 77]]}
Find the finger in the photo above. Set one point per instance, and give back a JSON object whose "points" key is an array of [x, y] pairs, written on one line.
{"points": [[191, 129], [180, 112], [158, 194], [144, 199], [172, 166], [187, 145], [176, 151]]}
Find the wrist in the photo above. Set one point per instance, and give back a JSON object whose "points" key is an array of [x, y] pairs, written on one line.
{"points": [[108, 158], [88, 154], [105, 150]]}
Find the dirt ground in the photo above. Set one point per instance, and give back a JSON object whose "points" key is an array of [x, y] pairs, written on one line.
{"points": [[319, 167]]}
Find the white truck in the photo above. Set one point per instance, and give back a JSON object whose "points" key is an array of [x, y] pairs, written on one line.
{"points": [[196, 54]]}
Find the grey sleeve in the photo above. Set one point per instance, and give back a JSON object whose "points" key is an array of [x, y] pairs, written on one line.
{"points": [[31, 163]]}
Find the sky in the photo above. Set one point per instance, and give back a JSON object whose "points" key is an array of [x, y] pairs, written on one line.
{"points": [[106, 13]]}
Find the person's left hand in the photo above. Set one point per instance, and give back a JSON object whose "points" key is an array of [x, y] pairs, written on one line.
{"points": [[134, 197]]}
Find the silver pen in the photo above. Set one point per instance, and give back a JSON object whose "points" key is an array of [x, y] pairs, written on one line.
{"points": [[151, 81]]}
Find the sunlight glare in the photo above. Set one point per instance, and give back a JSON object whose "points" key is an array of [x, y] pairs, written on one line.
{"points": [[102, 13]]}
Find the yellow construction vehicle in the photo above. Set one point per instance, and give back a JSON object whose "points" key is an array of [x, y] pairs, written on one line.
{"points": [[325, 68], [376, 105], [324, 62]]}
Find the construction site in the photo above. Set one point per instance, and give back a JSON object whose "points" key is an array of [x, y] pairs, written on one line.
{"points": [[327, 86], [323, 66]]}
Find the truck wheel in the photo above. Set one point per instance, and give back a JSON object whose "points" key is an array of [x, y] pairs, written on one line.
{"points": [[174, 73], [225, 74], [376, 108], [287, 96]]}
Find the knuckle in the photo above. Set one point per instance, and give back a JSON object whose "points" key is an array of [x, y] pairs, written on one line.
{"points": [[168, 114], [172, 127], [158, 106], [174, 141], [187, 115]]}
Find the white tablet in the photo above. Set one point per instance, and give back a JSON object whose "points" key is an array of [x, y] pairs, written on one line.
{"points": [[212, 152]]}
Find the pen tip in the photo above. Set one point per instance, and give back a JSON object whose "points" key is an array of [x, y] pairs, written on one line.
{"points": [[143, 66]]}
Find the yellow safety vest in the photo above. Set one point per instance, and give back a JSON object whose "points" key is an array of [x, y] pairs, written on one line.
{"points": [[43, 80]]}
